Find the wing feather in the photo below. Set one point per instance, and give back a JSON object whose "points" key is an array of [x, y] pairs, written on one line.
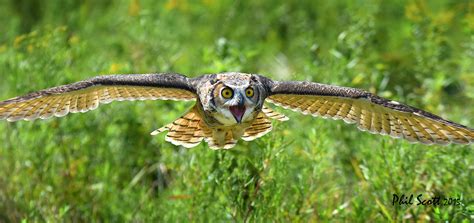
{"points": [[87, 95], [48, 107], [369, 112], [63, 108], [273, 114], [73, 106], [105, 95], [385, 123], [188, 130], [17, 112], [261, 126]]}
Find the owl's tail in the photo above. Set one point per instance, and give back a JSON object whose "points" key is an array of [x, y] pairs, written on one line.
{"points": [[188, 130]]}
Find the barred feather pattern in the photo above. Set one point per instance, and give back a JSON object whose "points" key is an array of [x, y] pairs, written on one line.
{"points": [[49, 105], [187, 131], [261, 126], [378, 119], [270, 113]]}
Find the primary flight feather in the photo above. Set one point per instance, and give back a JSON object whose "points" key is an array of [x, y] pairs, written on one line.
{"points": [[230, 106]]}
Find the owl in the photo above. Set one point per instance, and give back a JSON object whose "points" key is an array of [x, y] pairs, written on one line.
{"points": [[232, 105]]}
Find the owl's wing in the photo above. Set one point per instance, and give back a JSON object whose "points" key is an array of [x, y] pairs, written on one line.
{"points": [[87, 95], [370, 112]]}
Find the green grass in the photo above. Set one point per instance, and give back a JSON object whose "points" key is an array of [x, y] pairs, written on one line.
{"points": [[104, 166]]}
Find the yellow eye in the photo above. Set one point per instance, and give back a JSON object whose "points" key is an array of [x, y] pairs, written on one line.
{"points": [[227, 93], [249, 92]]}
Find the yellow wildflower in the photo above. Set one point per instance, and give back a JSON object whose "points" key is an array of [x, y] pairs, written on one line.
{"points": [[115, 67], [29, 48], [18, 40], [416, 10], [444, 17], [74, 39], [134, 7]]}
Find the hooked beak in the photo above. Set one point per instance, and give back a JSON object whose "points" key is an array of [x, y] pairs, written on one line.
{"points": [[238, 110]]}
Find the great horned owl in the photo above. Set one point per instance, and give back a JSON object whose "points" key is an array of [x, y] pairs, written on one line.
{"points": [[232, 105]]}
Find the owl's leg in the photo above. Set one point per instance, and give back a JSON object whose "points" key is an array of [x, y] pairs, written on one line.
{"points": [[219, 137], [237, 133]]}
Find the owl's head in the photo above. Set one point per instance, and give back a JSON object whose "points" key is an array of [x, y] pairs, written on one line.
{"points": [[235, 98]]}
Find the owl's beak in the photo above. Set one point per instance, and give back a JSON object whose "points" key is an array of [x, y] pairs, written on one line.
{"points": [[238, 110]]}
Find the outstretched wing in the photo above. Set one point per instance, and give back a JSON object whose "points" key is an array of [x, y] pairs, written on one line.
{"points": [[86, 95], [370, 112]]}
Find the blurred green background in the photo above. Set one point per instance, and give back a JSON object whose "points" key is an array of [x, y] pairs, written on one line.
{"points": [[104, 165]]}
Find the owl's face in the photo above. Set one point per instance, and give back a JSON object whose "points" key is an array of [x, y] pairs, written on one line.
{"points": [[235, 99]]}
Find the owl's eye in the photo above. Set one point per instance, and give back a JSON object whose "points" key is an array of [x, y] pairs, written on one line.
{"points": [[249, 92], [227, 93]]}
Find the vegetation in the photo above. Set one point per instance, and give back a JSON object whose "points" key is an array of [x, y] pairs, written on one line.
{"points": [[104, 165]]}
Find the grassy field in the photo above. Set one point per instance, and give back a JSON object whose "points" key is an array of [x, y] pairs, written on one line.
{"points": [[104, 165]]}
